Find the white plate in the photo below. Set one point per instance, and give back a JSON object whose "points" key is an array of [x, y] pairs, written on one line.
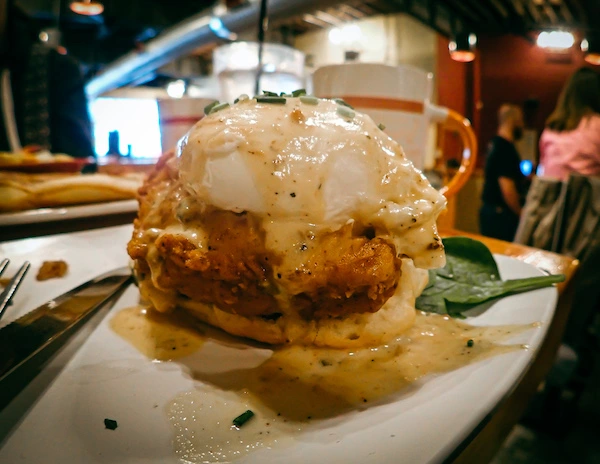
{"points": [[33, 216], [59, 417]]}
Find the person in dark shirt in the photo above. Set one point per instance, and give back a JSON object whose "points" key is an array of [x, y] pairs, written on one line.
{"points": [[504, 183], [46, 90]]}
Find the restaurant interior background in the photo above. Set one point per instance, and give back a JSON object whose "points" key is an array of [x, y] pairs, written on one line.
{"points": [[510, 63], [146, 60]]}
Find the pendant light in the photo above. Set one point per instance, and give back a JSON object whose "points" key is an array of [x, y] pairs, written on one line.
{"points": [[462, 47], [591, 50], [87, 7]]}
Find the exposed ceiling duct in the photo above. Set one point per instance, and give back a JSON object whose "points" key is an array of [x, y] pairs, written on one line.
{"points": [[187, 36]]}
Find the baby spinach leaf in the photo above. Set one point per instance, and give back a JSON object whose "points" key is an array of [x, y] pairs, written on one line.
{"points": [[469, 278]]}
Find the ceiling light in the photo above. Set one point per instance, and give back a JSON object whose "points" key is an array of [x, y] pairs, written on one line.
{"points": [[87, 7], [335, 36], [220, 30], [346, 35], [591, 51], [555, 40], [462, 47], [176, 89]]}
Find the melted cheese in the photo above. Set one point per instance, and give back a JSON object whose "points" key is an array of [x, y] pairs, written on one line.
{"points": [[306, 168]]}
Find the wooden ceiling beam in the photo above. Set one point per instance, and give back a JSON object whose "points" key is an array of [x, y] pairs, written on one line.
{"points": [[464, 11], [490, 19], [533, 11], [578, 11], [566, 13], [350, 10], [328, 18], [550, 13], [341, 15], [500, 8], [311, 19]]}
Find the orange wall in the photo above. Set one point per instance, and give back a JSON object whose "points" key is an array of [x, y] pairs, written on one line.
{"points": [[451, 79], [508, 69]]}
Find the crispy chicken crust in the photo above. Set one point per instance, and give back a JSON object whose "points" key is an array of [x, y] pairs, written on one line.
{"points": [[52, 270], [339, 272], [345, 274]]}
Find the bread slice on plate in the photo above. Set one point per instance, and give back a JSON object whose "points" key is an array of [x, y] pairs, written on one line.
{"points": [[20, 191]]}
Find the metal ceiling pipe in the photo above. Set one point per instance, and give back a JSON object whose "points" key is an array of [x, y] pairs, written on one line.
{"points": [[185, 37]]}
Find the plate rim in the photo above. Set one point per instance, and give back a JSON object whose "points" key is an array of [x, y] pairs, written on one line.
{"points": [[63, 213]]}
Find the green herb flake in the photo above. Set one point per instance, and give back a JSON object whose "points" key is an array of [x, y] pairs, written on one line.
{"points": [[471, 277], [220, 107], [270, 94], [470, 343], [243, 97], [299, 93], [271, 99], [309, 100], [345, 112], [381, 126], [210, 106], [110, 424], [243, 418], [339, 101]]}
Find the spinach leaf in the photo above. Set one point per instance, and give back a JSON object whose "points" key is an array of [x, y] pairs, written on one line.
{"points": [[469, 278]]}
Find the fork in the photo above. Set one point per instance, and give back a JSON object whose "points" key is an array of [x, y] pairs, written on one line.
{"points": [[7, 294]]}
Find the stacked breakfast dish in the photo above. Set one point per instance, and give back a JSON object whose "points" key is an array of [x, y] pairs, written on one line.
{"points": [[288, 219]]}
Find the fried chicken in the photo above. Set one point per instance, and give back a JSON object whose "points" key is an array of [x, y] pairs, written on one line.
{"points": [[339, 272]]}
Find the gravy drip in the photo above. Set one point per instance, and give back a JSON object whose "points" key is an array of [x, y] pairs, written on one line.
{"points": [[292, 386]]}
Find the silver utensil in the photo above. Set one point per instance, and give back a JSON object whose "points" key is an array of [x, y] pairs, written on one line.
{"points": [[32, 334], [9, 292]]}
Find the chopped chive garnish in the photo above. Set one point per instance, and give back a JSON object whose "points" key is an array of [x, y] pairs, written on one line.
{"points": [[470, 343], [381, 126], [243, 418], [110, 424], [270, 94], [271, 99], [220, 107], [309, 99], [339, 101], [236, 100], [299, 92], [345, 112], [210, 106]]}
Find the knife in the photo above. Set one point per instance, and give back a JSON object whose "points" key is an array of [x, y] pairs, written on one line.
{"points": [[36, 332]]}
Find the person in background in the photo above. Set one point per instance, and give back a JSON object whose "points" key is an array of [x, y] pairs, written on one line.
{"points": [[44, 88], [504, 184], [571, 140]]}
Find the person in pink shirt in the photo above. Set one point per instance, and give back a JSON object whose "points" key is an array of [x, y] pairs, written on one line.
{"points": [[570, 143]]}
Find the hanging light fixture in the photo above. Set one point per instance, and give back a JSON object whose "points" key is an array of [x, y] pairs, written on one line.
{"points": [[555, 40], [591, 50], [87, 7], [462, 47]]}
